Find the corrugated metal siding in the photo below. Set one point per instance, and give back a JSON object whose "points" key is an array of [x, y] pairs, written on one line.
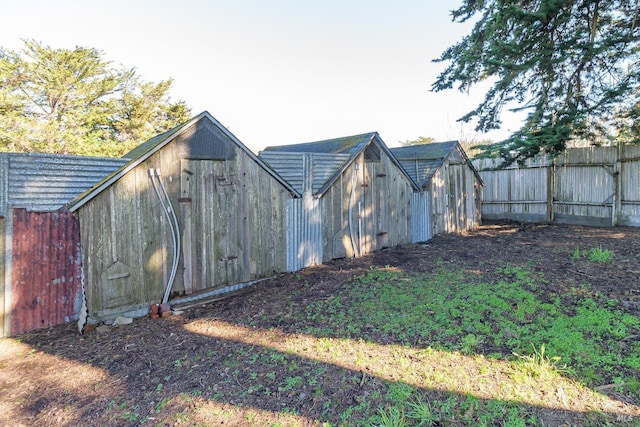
{"points": [[288, 166], [3, 302], [304, 233], [292, 167], [46, 270], [46, 182], [421, 170], [421, 217], [4, 181], [324, 168]]}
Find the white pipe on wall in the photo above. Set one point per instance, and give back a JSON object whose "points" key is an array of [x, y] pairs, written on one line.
{"points": [[175, 232]]}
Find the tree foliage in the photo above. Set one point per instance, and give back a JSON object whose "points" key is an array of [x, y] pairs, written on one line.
{"points": [[75, 102], [421, 140], [471, 146], [570, 65]]}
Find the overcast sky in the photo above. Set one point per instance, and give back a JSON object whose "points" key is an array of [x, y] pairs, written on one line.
{"points": [[274, 72]]}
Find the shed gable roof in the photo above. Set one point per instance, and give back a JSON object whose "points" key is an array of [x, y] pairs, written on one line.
{"points": [[47, 182], [210, 140], [351, 145], [331, 158], [422, 161]]}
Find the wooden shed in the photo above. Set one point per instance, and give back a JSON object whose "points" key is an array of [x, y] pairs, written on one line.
{"points": [[444, 170], [193, 212], [357, 197]]}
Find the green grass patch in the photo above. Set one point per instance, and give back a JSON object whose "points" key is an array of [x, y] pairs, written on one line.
{"points": [[580, 334]]}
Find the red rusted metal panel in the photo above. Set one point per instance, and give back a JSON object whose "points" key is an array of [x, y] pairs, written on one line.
{"points": [[46, 270]]}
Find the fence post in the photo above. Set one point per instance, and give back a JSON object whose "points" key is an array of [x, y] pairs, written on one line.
{"points": [[551, 181], [617, 187]]}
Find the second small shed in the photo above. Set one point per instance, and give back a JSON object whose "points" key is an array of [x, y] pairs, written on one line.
{"points": [[444, 170], [357, 198]]}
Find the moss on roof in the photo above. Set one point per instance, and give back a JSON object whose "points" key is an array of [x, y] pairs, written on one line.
{"points": [[345, 145]]}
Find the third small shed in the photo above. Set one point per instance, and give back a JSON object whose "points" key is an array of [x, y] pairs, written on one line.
{"points": [[444, 170], [356, 197]]}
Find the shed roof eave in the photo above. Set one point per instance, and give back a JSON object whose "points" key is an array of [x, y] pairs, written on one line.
{"points": [[84, 198]]}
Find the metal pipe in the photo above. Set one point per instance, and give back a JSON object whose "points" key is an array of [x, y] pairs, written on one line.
{"points": [[173, 236], [360, 227], [176, 252], [351, 197]]}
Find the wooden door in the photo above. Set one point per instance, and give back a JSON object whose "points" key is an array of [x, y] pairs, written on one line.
{"points": [[213, 231]]}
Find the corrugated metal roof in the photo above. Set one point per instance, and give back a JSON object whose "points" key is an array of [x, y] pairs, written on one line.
{"points": [[46, 182], [328, 158], [422, 161], [151, 146]]}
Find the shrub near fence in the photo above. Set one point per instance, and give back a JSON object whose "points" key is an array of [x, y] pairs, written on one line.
{"points": [[590, 186]]}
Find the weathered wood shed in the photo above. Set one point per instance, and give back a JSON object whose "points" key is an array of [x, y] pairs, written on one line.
{"points": [[193, 212], [444, 170], [357, 197]]}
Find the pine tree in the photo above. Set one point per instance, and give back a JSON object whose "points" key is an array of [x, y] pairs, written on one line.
{"points": [[72, 101], [570, 65]]}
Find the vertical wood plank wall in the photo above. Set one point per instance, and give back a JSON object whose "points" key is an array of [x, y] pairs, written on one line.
{"points": [[382, 198], [237, 229]]}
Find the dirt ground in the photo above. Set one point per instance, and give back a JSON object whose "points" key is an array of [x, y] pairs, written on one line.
{"points": [[57, 377]]}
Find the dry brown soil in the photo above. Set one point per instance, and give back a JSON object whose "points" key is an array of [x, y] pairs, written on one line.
{"points": [[136, 373]]}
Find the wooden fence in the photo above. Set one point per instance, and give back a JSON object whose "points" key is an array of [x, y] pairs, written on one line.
{"points": [[590, 186]]}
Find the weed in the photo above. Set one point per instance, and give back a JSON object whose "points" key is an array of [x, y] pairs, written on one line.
{"points": [[289, 411], [596, 254], [539, 365], [181, 417], [600, 255], [470, 342], [292, 382], [160, 405], [278, 358], [399, 392], [422, 413], [131, 415], [577, 253], [392, 417], [429, 322]]}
